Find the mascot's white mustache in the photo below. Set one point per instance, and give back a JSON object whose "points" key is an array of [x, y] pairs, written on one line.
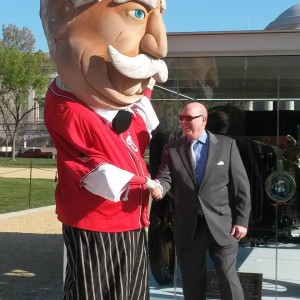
{"points": [[139, 67]]}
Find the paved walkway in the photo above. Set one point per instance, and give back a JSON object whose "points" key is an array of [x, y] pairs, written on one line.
{"points": [[31, 258], [31, 255], [42, 173], [31, 261]]}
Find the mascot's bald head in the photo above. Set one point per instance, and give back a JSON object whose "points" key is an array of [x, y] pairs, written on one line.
{"points": [[106, 51]]}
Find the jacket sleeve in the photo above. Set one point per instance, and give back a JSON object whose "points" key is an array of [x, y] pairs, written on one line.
{"points": [[109, 181], [241, 200], [164, 172]]}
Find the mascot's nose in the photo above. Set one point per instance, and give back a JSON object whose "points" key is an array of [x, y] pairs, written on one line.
{"points": [[155, 41]]}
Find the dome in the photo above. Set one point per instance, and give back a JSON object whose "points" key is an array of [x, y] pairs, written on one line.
{"points": [[289, 19]]}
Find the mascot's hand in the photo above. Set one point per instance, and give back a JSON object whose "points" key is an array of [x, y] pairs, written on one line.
{"points": [[155, 188]]}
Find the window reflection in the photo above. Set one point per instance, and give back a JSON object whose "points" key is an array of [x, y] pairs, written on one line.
{"points": [[256, 101]]}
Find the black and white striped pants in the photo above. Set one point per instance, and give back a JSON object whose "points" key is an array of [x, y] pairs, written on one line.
{"points": [[106, 266]]}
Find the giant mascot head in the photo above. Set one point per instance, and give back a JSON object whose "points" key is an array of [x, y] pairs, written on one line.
{"points": [[106, 51]]}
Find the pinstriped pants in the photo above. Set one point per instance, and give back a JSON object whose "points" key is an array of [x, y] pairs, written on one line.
{"points": [[106, 266]]}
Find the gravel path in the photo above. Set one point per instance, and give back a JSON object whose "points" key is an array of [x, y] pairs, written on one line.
{"points": [[31, 255], [46, 173]]}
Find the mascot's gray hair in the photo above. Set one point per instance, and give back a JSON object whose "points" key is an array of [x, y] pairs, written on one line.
{"points": [[78, 3], [45, 21]]}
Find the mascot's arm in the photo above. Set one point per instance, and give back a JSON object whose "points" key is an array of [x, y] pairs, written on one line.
{"points": [[110, 182], [106, 173], [73, 130]]}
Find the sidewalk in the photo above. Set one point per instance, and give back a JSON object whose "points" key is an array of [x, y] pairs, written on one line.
{"points": [[31, 258], [31, 261], [26, 172], [31, 255]]}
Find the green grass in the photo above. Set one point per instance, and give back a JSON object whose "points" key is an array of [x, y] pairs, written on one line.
{"points": [[19, 194], [21, 162]]}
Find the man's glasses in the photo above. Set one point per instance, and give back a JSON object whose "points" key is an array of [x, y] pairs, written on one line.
{"points": [[189, 118]]}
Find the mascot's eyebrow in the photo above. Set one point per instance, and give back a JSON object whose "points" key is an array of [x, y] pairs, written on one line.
{"points": [[150, 3]]}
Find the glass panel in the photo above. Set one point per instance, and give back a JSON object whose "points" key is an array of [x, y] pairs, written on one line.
{"points": [[256, 101], [286, 192]]}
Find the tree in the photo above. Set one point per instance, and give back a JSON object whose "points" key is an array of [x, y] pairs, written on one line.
{"points": [[21, 72], [21, 39], [6, 120]]}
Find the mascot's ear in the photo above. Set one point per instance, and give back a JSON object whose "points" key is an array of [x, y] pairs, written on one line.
{"points": [[59, 14], [121, 121]]}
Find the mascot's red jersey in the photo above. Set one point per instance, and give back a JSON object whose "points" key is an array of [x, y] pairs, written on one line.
{"points": [[100, 173]]}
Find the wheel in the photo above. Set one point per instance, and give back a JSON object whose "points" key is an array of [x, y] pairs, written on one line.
{"points": [[161, 243]]}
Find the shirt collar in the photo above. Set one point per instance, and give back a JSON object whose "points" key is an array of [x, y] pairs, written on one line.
{"points": [[203, 138]]}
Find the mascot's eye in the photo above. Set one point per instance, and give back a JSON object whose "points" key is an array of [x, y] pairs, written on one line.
{"points": [[138, 13]]}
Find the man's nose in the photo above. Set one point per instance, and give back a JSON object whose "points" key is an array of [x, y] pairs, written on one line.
{"points": [[155, 41]]}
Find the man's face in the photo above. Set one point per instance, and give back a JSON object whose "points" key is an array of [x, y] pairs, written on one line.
{"points": [[193, 120], [82, 58]]}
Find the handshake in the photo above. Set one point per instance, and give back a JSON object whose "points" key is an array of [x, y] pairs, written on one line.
{"points": [[155, 188]]}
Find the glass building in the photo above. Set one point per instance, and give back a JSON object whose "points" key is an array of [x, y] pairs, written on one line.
{"points": [[250, 83]]}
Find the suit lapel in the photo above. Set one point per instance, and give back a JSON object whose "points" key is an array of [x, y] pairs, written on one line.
{"points": [[213, 146], [184, 153]]}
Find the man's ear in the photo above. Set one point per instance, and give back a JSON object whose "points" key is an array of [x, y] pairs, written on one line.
{"points": [[59, 14]]}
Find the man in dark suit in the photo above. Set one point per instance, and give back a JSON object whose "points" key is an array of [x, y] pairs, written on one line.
{"points": [[212, 203]]}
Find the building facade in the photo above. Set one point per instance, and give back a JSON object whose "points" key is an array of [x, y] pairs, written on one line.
{"points": [[250, 83]]}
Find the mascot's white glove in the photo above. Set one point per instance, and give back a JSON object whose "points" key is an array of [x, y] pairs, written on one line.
{"points": [[155, 188], [151, 83]]}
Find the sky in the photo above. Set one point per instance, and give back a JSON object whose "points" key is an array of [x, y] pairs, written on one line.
{"points": [[180, 16]]}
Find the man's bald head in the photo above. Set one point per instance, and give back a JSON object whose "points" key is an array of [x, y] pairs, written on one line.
{"points": [[193, 120], [195, 108]]}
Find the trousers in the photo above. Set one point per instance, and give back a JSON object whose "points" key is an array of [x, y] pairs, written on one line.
{"points": [[192, 263], [105, 266]]}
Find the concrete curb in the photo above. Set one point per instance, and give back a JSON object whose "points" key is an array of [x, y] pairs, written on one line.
{"points": [[25, 212]]}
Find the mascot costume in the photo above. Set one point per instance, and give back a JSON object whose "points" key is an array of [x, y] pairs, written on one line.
{"points": [[108, 55]]}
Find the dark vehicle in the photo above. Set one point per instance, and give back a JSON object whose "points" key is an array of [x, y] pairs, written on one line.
{"points": [[36, 153], [273, 167], [160, 234], [160, 240], [5, 153]]}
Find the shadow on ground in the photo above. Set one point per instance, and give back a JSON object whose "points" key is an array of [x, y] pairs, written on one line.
{"points": [[31, 266]]}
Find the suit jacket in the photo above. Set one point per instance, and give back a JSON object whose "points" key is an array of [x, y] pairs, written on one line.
{"points": [[224, 193]]}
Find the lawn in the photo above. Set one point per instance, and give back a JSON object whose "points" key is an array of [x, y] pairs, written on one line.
{"points": [[21, 162], [22, 193], [19, 194]]}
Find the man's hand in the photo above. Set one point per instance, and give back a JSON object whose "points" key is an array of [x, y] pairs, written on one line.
{"points": [[154, 188], [156, 193], [238, 232]]}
